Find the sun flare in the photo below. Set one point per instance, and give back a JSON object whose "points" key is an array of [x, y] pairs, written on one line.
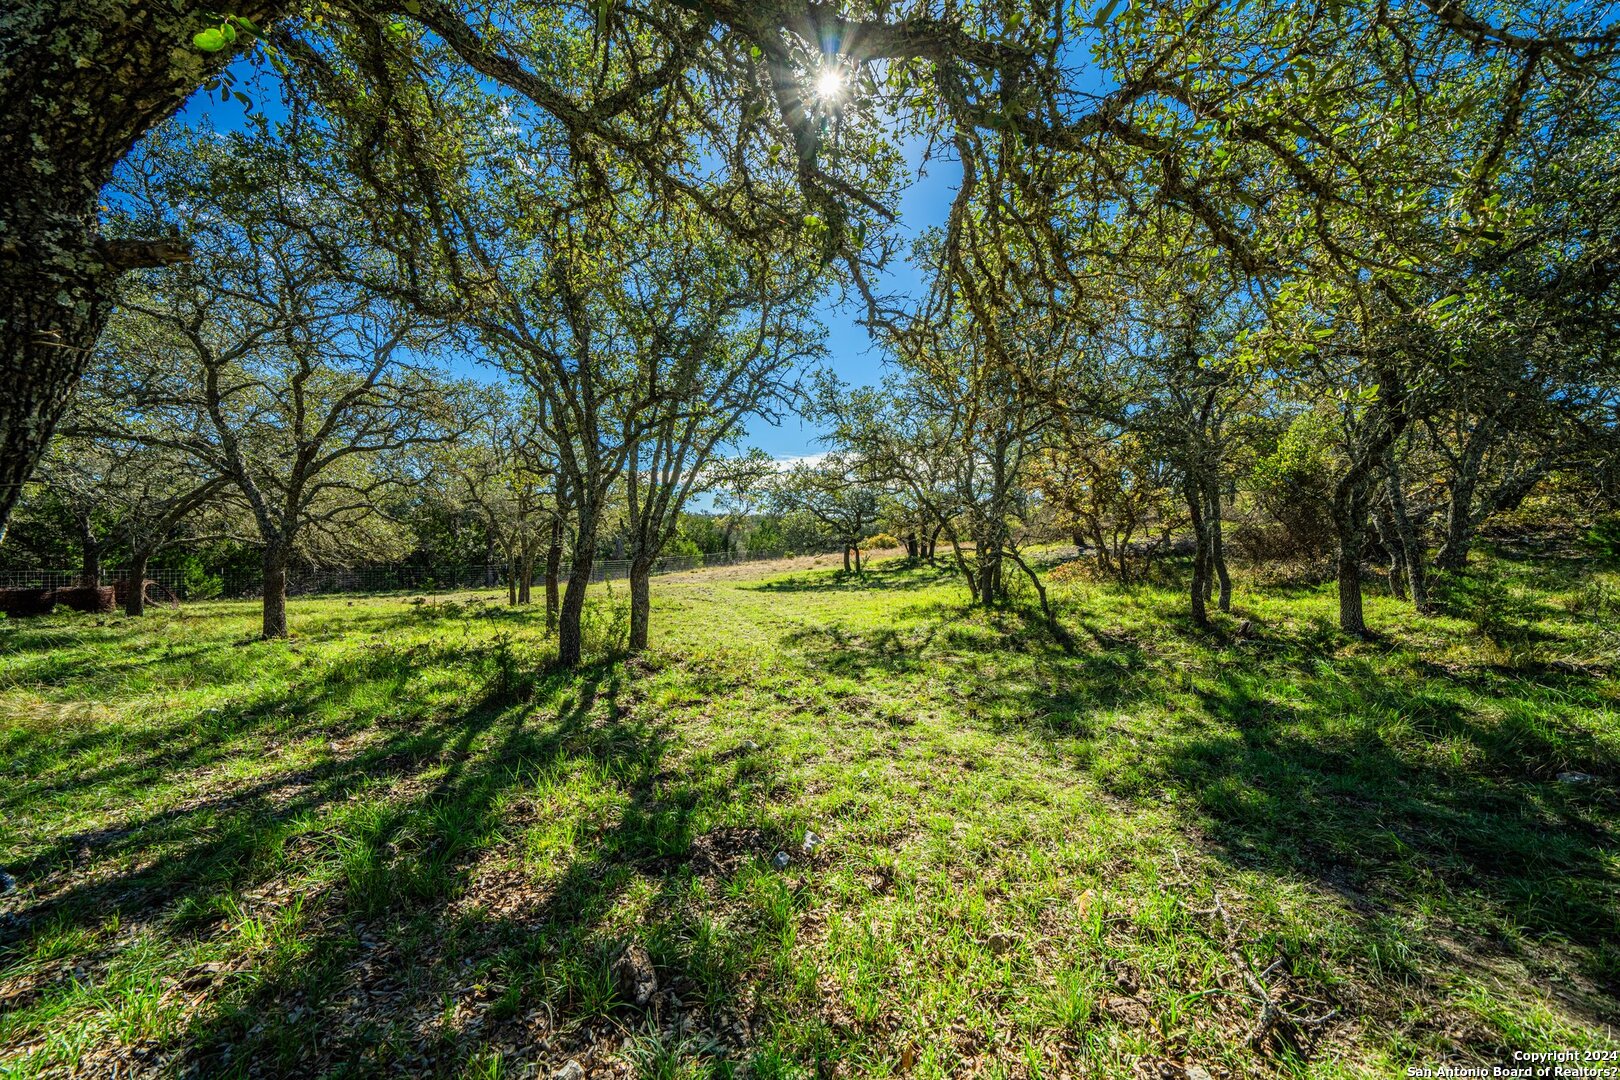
{"points": [[830, 84]]}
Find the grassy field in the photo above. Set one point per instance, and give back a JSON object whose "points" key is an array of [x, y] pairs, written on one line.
{"points": [[400, 844]]}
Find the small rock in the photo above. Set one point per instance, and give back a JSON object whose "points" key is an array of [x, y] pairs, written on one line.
{"points": [[1197, 1072], [1576, 778], [7, 883], [573, 1070], [1000, 943], [780, 860], [811, 842], [638, 981], [1245, 629]]}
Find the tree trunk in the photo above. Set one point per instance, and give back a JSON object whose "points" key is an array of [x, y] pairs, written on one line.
{"points": [[275, 593], [857, 561], [1351, 618], [990, 591], [1385, 528], [640, 602], [1349, 527], [89, 554], [1217, 546], [553, 568], [570, 640], [83, 81], [846, 558], [962, 566], [1458, 536], [525, 573], [1062, 635], [1408, 541], [570, 643], [1460, 521], [933, 539], [1199, 595], [1100, 552], [135, 598]]}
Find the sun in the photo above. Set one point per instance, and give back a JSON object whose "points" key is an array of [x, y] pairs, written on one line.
{"points": [[830, 84]]}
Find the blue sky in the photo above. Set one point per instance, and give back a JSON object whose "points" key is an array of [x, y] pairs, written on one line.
{"points": [[850, 351], [849, 348]]}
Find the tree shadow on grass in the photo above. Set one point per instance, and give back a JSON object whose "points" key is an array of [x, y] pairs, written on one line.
{"points": [[271, 712], [1414, 796], [460, 948], [418, 910]]}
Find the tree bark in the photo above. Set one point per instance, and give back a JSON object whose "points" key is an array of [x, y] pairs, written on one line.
{"points": [[1454, 544], [1352, 620], [1385, 528], [89, 553], [525, 572], [135, 598], [275, 593], [570, 641], [640, 603], [1407, 541], [1217, 546], [83, 82], [1199, 593], [553, 568], [1349, 527]]}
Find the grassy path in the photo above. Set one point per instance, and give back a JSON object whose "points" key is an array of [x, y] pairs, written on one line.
{"points": [[400, 845]]}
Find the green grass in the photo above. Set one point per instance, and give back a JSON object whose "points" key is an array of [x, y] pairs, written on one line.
{"points": [[402, 843]]}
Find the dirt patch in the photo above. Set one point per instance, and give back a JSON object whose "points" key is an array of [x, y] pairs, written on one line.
{"points": [[767, 568], [722, 852]]}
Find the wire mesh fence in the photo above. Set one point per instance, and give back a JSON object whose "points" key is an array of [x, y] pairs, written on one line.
{"points": [[380, 579], [171, 578]]}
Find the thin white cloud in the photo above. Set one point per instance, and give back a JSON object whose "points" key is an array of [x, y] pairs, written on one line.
{"points": [[783, 464]]}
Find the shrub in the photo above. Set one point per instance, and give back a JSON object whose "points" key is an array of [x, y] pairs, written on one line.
{"points": [[604, 626], [1604, 536], [881, 542], [1292, 487]]}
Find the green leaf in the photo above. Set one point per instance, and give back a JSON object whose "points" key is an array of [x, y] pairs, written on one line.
{"points": [[1104, 14], [210, 40]]}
